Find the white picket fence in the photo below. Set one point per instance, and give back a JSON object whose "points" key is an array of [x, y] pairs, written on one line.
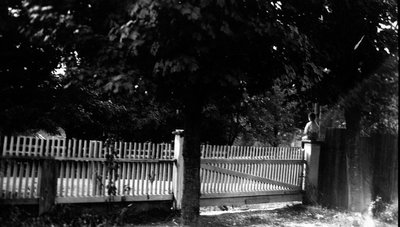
{"points": [[146, 171], [73, 148]]}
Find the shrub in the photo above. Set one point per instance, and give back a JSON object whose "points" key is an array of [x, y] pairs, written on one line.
{"points": [[387, 212]]}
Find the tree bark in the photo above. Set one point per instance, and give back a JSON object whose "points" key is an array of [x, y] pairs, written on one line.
{"points": [[191, 161], [317, 111], [354, 172]]}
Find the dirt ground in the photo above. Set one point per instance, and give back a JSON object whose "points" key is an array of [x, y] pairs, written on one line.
{"points": [[278, 215]]}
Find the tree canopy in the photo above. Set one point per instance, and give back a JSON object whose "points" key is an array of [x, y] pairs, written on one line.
{"points": [[355, 39]]}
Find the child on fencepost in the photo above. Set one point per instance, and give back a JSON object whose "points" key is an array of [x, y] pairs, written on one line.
{"points": [[311, 130]]}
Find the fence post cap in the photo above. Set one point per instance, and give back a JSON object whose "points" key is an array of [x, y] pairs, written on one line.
{"points": [[178, 132]]}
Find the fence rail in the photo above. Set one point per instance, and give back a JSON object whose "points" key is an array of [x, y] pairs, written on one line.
{"points": [[73, 148]]}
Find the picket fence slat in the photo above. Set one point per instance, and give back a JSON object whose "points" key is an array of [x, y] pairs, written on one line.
{"points": [[32, 189], [20, 178], [26, 178], [14, 178], [8, 179], [4, 151]]}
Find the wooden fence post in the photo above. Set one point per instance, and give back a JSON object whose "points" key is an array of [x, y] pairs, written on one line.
{"points": [[48, 184], [311, 155], [177, 176]]}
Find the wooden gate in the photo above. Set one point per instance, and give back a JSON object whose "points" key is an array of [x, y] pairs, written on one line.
{"points": [[232, 175]]}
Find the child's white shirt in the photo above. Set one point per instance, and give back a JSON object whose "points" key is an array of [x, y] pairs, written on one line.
{"points": [[311, 127]]}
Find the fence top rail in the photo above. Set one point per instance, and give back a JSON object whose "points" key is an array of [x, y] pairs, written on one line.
{"points": [[251, 161], [247, 152], [27, 158], [77, 148]]}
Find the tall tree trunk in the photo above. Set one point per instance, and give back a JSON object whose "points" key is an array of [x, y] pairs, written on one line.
{"points": [[353, 155], [317, 111], [191, 159]]}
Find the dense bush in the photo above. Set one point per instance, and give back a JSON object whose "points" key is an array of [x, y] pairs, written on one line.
{"points": [[387, 212]]}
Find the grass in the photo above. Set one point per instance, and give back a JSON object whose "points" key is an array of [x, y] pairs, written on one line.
{"points": [[294, 215]]}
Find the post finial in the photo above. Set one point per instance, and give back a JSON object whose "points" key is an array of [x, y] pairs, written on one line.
{"points": [[178, 132]]}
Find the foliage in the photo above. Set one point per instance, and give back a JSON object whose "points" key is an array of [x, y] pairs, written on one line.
{"points": [[112, 167], [83, 100], [269, 117], [378, 98], [354, 40], [27, 89], [119, 55], [387, 212], [381, 100], [96, 115], [82, 40], [220, 123], [264, 118], [36, 96]]}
